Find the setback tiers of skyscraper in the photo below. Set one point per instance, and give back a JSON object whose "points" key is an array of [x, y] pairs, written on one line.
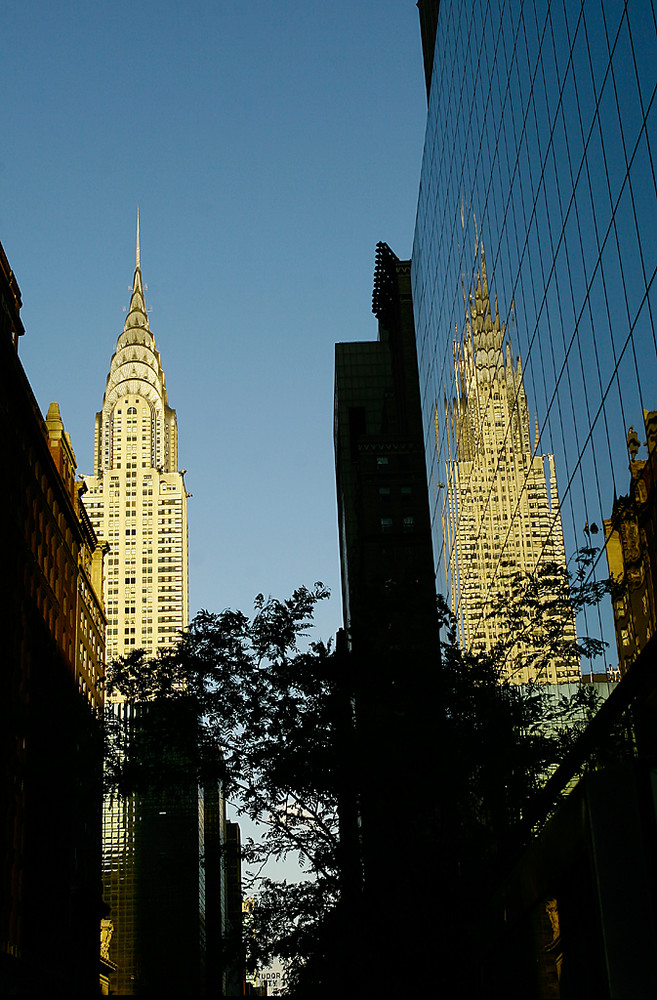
{"points": [[500, 511], [137, 499], [156, 872]]}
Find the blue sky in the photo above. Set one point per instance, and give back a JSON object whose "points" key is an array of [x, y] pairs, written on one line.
{"points": [[269, 146]]}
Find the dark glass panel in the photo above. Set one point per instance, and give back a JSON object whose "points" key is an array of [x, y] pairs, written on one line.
{"points": [[612, 11], [548, 213], [572, 123], [612, 139], [633, 281], [586, 223], [597, 42], [643, 41], [532, 143], [561, 163], [573, 14], [630, 410], [551, 340], [597, 178], [550, 75], [559, 39], [627, 89], [530, 32], [541, 113], [575, 259], [604, 344], [648, 350], [585, 93], [589, 362], [541, 9], [615, 294], [528, 295], [645, 354], [562, 270]]}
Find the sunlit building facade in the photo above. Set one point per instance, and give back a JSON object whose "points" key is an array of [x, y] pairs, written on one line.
{"points": [[90, 622], [541, 145], [137, 503], [631, 542], [136, 498]]}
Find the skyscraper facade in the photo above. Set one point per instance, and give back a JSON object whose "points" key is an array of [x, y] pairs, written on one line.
{"points": [[136, 499], [541, 144], [137, 503]]}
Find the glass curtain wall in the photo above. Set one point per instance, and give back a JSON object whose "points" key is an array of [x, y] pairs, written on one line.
{"points": [[534, 294]]}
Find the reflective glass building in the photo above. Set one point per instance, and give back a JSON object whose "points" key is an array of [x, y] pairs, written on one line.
{"points": [[541, 149]]}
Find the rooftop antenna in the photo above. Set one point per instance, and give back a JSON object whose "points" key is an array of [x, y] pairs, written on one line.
{"points": [[138, 251]]}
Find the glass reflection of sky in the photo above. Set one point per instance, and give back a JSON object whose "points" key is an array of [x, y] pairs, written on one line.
{"points": [[541, 142]]}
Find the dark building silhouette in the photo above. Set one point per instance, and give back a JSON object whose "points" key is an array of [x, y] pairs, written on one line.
{"points": [[53, 631], [391, 655], [575, 917], [388, 590], [233, 950]]}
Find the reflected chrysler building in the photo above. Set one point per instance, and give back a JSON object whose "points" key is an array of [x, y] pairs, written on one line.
{"points": [[136, 498], [501, 515]]}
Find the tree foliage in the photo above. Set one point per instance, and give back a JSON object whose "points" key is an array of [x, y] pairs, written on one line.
{"points": [[263, 697], [506, 738], [537, 616], [269, 707]]}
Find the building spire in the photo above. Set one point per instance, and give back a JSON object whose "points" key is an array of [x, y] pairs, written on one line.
{"points": [[138, 251], [137, 316]]}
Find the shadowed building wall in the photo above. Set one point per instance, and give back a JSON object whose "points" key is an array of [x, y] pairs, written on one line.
{"points": [[389, 607], [53, 630]]}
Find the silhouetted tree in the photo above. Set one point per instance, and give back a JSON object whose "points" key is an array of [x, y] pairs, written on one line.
{"points": [[265, 704], [500, 742], [271, 723]]}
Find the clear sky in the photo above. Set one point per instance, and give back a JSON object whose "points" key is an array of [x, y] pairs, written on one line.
{"points": [[269, 146]]}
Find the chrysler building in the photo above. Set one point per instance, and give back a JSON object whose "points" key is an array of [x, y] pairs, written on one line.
{"points": [[136, 497], [501, 514], [137, 502]]}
